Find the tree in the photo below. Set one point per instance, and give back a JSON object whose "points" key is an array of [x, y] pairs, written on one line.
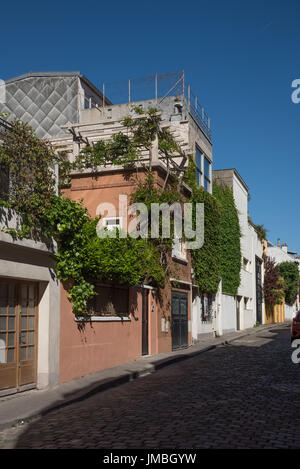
{"points": [[289, 271], [273, 283]]}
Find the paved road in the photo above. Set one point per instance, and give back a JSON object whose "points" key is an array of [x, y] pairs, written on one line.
{"points": [[243, 395]]}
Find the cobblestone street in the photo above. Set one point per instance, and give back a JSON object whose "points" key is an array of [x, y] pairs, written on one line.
{"points": [[243, 395]]}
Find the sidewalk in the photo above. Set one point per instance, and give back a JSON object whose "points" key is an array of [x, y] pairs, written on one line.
{"points": [[23, 406]]}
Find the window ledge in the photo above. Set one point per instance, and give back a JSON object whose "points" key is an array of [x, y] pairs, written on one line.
{"points": [[104, 319]]}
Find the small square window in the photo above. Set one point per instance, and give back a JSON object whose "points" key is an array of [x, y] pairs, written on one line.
{"points": [[112, 222]]}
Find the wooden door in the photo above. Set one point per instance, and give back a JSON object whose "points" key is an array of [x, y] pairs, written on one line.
{"points": [[18, 333]]}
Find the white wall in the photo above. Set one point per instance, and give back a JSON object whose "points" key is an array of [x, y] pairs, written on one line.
{"points": [[250, 248], [289, 311], [199, 328], [248, 318], [228, 316]]}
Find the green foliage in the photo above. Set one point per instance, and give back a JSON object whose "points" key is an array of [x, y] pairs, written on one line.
{"points": [[290, 273], [81, 256], [29, 163], [260, 230], [147, 193], [125, 149], [118, 150], [230, 234], [206, 260], [273, 283]]}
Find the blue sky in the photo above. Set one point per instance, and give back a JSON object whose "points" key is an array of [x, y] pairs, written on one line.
{"points": [[240, 59]]}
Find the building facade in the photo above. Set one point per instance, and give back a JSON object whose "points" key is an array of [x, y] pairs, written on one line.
{"points": [[48, 100], [154, 321], [246, 309]]}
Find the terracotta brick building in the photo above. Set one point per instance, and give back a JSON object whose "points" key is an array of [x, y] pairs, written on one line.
{"points": [[156, 320]]}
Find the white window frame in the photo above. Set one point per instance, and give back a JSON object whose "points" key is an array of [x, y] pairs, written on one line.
{"points": [[201, 170]]}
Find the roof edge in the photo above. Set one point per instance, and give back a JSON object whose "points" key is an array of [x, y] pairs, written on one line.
{"points": [[237, 174], [43, 74]]}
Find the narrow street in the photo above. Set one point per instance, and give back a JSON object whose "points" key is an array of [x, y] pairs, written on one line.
{"points": [[243, 395]]}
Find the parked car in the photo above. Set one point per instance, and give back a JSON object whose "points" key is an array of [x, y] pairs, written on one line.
{"points": [[295, 331]]}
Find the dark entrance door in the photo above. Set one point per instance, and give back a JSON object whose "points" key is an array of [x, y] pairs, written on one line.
{"points": [[145, 322], [179, 320], [18, 334], [258, 264]]}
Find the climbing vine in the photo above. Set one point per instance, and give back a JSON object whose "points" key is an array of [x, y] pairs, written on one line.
{"points": [[206, 260], [290, 273], [273, 283], [230, 235]]}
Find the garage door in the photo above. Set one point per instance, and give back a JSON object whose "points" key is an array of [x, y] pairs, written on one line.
{"points": [[18, 334]]}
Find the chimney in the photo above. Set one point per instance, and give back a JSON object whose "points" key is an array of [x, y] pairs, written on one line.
{"points": [[284, 247], [278, 242]]}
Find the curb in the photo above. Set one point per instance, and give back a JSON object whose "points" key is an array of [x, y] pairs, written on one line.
{"points": [[127, 376]]}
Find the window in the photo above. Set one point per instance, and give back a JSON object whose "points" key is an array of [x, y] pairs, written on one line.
{"points": [[112, 223], [110, 301], [207, 180], [203, 165], [207, 303], [198, 161]]}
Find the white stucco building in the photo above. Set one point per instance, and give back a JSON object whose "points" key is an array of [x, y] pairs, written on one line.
{"points": [[244, 310]]}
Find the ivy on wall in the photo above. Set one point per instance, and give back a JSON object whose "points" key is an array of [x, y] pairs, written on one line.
{"points": [[206, 260], [290, 273], [230, 235]]}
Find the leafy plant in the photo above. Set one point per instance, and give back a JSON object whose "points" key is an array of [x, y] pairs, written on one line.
{"points": [[260, 229], [230, 235], [206, 261], [82, 256], [273, 283], [290, 273]]}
